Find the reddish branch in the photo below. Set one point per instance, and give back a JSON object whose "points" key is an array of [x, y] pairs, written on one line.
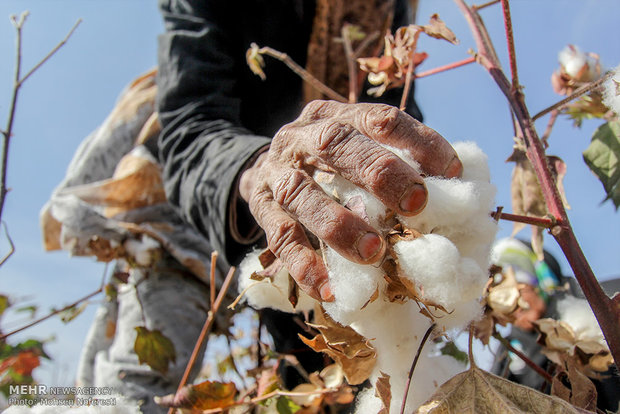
{"points": [[413, 365], [206, 328], [446, 67], [606, 311], [535, 221], [544, 374]]}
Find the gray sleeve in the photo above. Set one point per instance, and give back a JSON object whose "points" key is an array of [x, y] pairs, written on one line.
{"points": [[202, 146]]}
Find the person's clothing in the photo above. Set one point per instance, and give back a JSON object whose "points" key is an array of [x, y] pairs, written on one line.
{"points": [[216, 114], [171, 300]]}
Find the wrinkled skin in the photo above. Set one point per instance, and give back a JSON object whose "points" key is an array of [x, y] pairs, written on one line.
{"points": [[341, 138]]}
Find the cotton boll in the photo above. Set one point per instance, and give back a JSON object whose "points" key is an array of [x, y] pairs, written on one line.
{"points": [[577, 313], [368, 402], [475, 162], [611, 97], [432, 262], [352, 284], [266, 294]]}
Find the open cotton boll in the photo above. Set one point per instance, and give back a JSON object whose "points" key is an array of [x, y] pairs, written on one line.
{"points": [[577, 313], [475, 162], [267, 294], [611, 97], [352, 284]]}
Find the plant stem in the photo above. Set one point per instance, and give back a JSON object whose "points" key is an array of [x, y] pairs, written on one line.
{"points": [[351, 63], [18, 81], [606, 312], [535, 221], [550, 124], [302, 73], [511, 45], [11, 245], [212, 279], [413, 365], [482, 6], [444, 68], [49, 315], [583, 90], [544, 374], [206, 328]]}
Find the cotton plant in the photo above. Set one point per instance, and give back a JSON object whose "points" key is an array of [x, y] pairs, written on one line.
{"points": [[433, 274]]}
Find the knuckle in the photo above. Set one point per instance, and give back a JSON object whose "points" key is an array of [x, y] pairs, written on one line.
{"points": [[315, 110], [283, 238], [332, 137], [289, 186], [377, 169], [383, 120]]}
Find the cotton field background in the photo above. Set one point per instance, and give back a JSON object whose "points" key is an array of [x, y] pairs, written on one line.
{"points": [[76, 89]]}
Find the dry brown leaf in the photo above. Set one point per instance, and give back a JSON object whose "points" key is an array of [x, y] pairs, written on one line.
{"points": [[345, 346], [437, 28], [575, 387], [293, 291], [477, 391], [383, 390], [356, 205], [204, 396], [504, 297], [51, 229]]}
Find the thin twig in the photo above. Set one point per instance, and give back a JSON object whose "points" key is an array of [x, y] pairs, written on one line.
{"points": [[524, 357], [351, 63], [550, 124], [482, 6], [413, 365], [206, 328], [583, 90], [51, 53], [56, 312], [302, 73], [544, 222], [212, 278], [365, 43], [234, 363], [11, 244], [512, 56], [18, 81], [408, 81], [444, 68]]}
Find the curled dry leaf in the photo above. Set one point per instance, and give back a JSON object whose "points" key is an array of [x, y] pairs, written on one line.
{"points": [[383, 390], [204, 396], [255, 61], [573, 386], [346, 347], [560, 341], [477, 391], [400, 56], [504, 296], [527, 196]]}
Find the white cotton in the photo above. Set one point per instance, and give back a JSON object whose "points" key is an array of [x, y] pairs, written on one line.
{"points": [[368, 402], [577, 313], [267, 294], [573, 61], [611, 91], [475, 162], [142, 250], [352, 284]]}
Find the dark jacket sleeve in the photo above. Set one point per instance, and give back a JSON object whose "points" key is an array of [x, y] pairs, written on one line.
{"points": [[202, 148]]}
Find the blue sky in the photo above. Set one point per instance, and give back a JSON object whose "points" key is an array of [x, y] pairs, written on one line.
{"points": [[116, 41]]}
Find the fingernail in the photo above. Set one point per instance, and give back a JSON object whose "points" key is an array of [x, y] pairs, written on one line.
{"points": [[369, 245], [326, 292], [414, 199], [455, 168]]}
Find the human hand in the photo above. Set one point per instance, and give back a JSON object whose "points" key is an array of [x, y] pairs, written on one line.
{"points": [[340, 138]]}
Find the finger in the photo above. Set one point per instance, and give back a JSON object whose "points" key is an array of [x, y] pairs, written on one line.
{"points": [[337, 226], [365, 163], [388, 125], [287, 240]]}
